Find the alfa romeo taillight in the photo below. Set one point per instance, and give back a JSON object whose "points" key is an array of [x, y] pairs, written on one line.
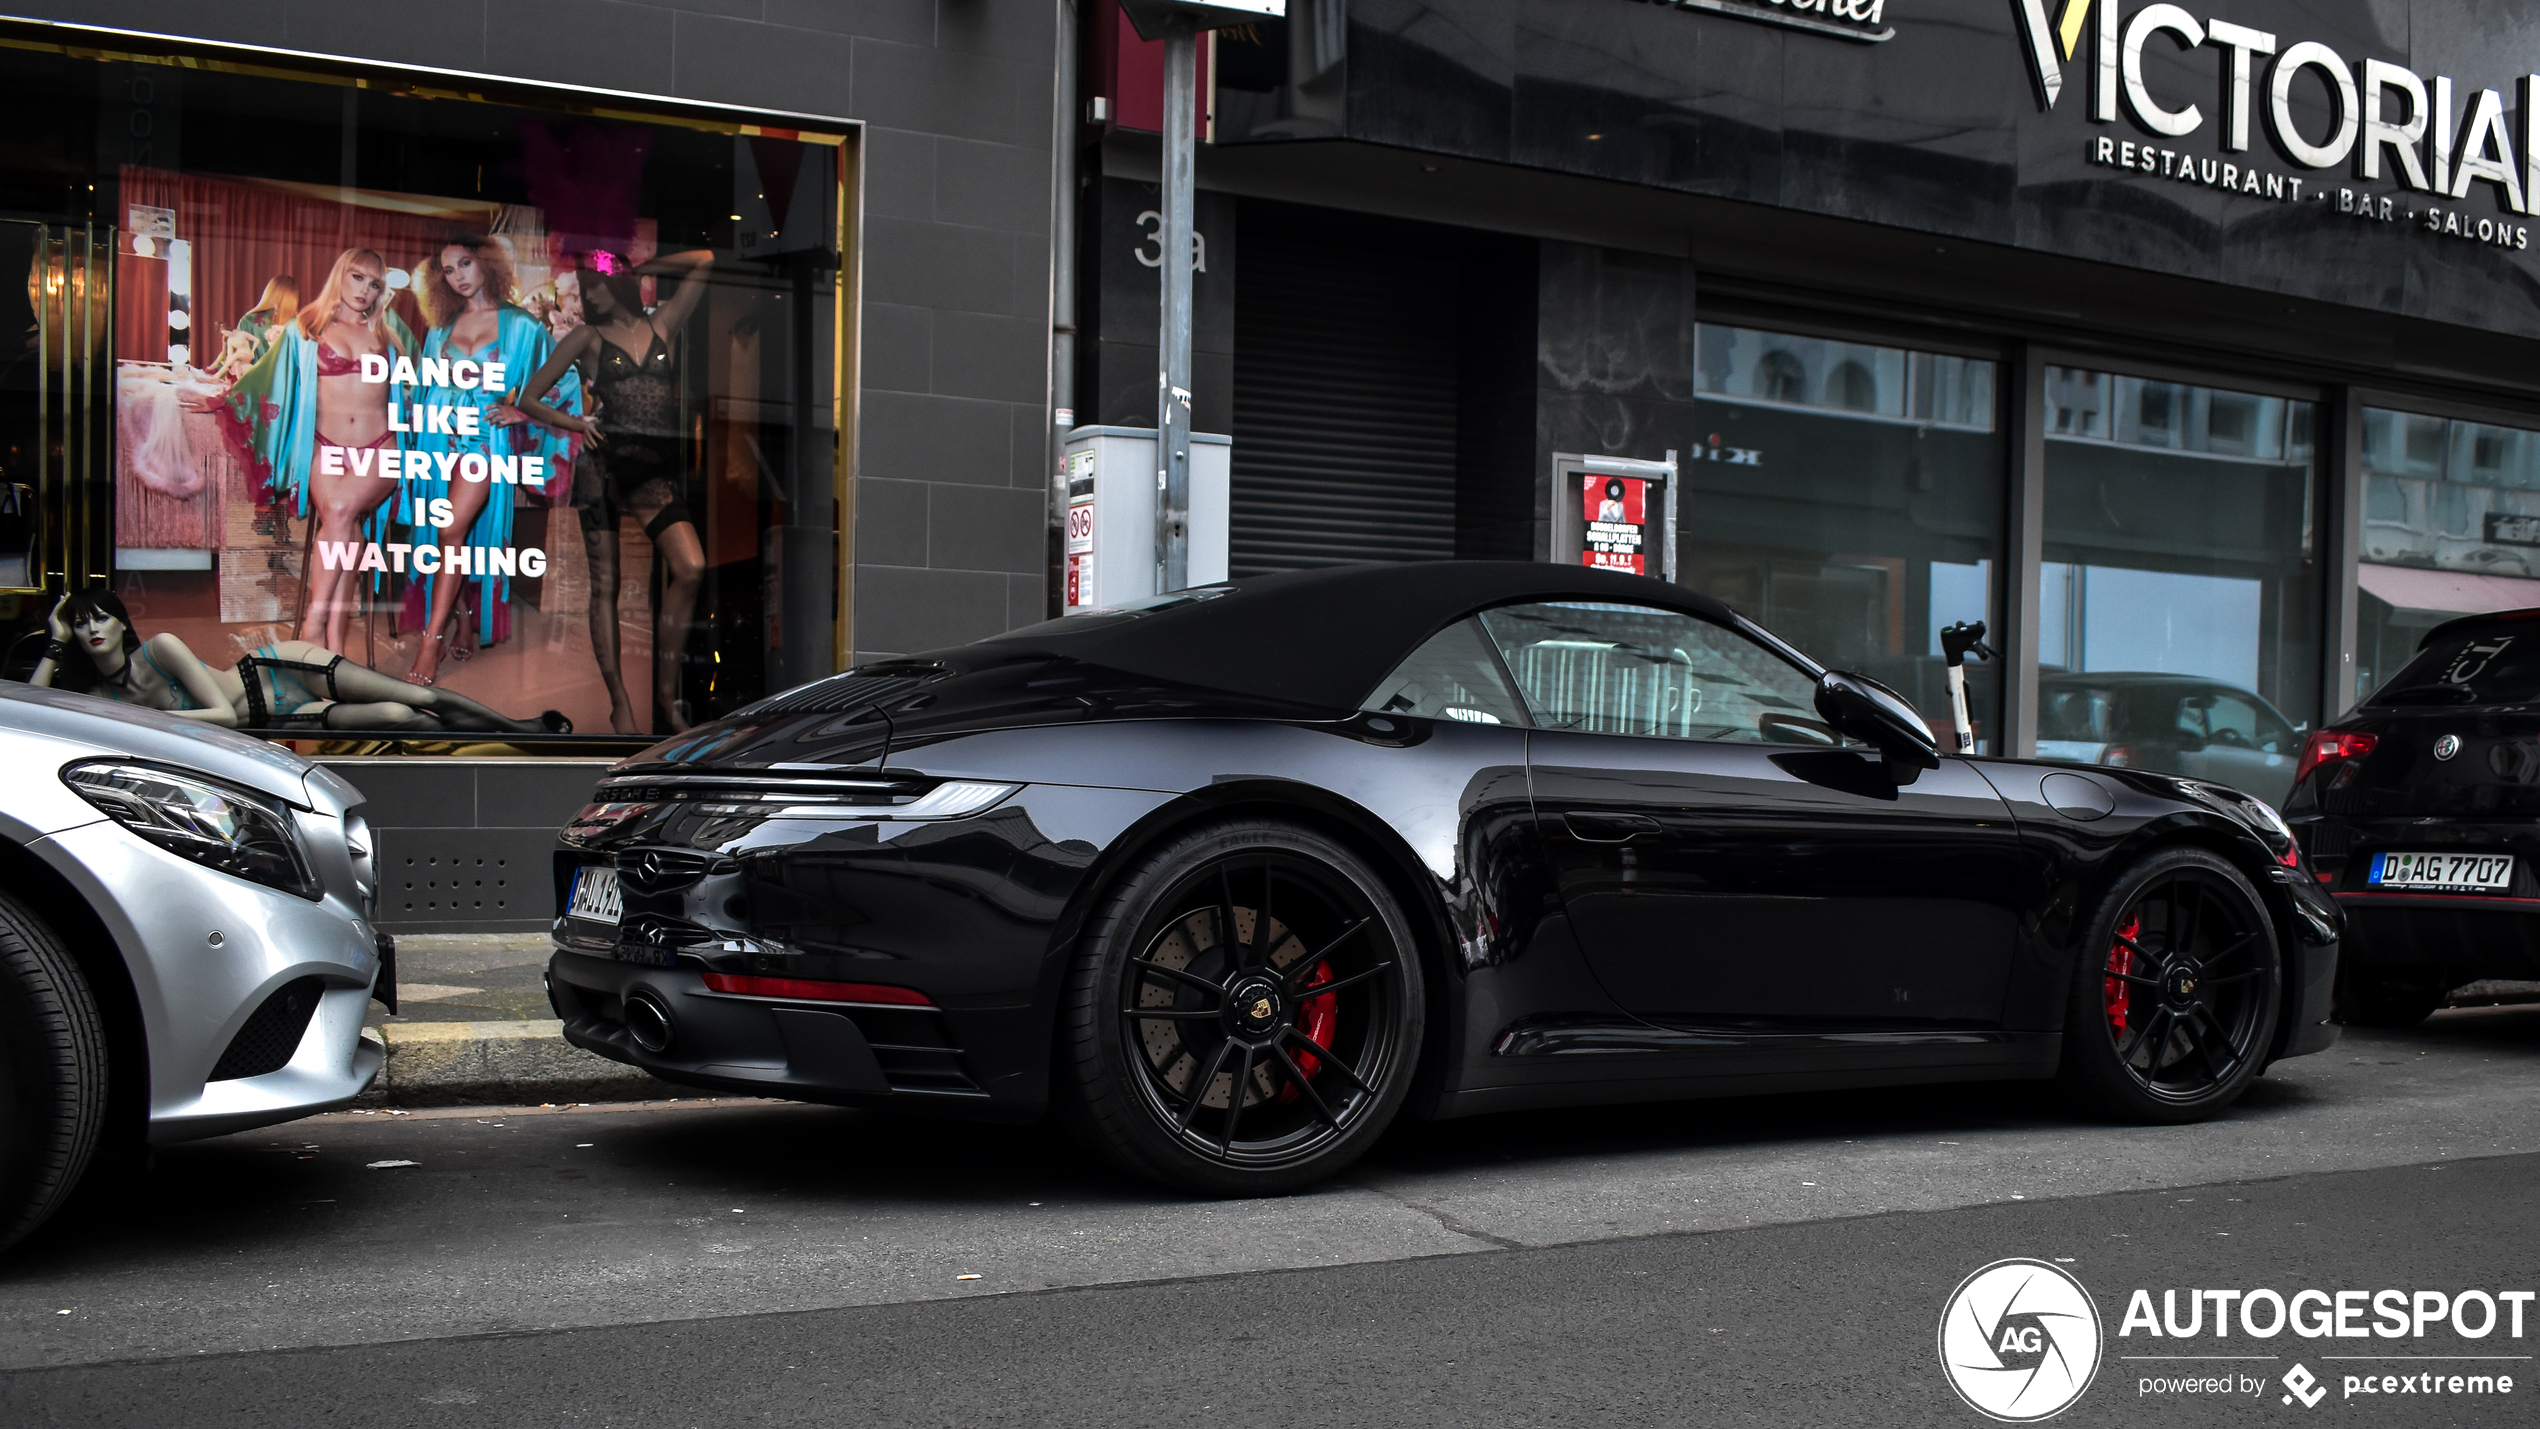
{"points": [[2332, 746]]}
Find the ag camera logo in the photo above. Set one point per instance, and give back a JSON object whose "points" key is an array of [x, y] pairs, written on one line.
{"points": [[2020, 1341]]}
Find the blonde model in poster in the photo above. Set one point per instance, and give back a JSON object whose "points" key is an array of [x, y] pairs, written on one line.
{"points": [[275, 308], [467, 290], [307, 391], [290, 684]]}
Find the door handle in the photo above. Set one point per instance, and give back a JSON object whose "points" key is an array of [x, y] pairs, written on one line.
{"points": [[1590, 826]]}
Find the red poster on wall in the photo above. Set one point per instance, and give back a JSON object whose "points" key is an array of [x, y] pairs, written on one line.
{"points": [[1616, 509]]}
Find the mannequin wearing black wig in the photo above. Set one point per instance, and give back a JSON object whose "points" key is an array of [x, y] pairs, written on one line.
{"points": [[290, 684]]}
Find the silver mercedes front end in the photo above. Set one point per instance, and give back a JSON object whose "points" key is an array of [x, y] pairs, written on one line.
{"points": [[236, 882]]}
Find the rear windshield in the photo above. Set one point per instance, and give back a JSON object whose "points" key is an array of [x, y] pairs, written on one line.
{"points": [[2478, 667]]}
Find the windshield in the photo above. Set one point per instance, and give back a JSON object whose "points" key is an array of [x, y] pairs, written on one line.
{"points": [[1626, 669], [2494, 666]]}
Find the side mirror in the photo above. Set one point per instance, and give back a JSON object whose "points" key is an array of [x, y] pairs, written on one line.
{"points": [[1866, 710]]}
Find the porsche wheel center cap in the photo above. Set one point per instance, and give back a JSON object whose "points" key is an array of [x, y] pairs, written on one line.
{"points": [[1256, 1005]]}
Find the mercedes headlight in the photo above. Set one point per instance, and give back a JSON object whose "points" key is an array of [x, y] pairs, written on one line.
{"points": [[218, 825]]}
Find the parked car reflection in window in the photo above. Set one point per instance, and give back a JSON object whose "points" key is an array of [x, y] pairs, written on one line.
{"points": [[2176, 724]]}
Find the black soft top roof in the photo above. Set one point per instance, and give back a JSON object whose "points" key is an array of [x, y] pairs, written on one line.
{"points": [[1325, 637]]}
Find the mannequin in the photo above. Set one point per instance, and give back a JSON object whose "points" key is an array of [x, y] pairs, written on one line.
{"points": [[629, 365], [291, 684]]}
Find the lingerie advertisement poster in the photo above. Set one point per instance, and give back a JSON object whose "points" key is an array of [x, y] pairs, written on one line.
{"points": [[504, 450]]}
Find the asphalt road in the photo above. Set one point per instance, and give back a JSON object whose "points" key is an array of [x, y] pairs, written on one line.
{"points": [[1773, 1260]]}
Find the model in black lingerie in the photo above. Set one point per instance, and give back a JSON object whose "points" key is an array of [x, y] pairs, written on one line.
{"points": [[635, 460]]}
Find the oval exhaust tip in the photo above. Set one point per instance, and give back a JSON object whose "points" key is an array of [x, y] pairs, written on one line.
{"points": [[648, 1022]]}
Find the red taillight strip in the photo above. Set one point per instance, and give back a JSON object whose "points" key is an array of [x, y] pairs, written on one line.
{"points": [[815, 990]]}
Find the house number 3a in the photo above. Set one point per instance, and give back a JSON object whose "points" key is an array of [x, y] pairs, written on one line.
{"points": [[1153, 222]]}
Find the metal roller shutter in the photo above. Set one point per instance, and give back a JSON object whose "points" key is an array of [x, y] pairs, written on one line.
{"points": [[1345, 393]]}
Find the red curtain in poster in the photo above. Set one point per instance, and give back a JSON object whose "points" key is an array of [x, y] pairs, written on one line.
{"points": [[141, 307], [244, 234]]}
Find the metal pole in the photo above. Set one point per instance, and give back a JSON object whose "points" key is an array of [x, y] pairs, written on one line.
{"points": [[1173, 382], [2024, 557], [91, 287], [48, 510], [2343, 546], [1667, 548], [1064, 137]]}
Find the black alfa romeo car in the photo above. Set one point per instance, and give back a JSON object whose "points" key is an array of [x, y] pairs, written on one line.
{"points": [[1233, 878], [2419, 811]]}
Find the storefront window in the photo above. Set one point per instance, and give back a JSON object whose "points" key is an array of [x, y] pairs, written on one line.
{"points": [[2179, 606], [1849, 497], [2451, 527], [524, 404]]}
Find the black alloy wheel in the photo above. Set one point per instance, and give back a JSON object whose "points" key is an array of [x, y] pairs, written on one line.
{"points": [[2177, 993], [1245, 1013]]}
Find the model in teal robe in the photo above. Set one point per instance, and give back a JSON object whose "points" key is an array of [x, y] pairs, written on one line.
{"points": [[270, 421], [522, 345]]}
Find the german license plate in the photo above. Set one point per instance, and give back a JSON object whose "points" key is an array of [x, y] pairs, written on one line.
{"points": [[2441, 872], [595, 895]]}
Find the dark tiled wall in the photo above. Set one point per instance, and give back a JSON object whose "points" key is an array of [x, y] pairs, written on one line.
{"points": [[957, 99], [1614, 359], [466, 846]]}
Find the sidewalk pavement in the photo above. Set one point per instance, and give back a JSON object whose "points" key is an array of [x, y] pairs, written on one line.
{"points": [[473, 1028]]}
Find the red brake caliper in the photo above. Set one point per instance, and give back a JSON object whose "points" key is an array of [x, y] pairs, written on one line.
{"points": [[1316, 1016], [2120, 993]]}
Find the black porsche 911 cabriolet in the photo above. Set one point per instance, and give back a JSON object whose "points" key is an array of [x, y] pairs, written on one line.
{"points": [[1233, 878]]}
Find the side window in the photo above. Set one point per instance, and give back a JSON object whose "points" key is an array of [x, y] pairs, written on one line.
{"points": [[2190, 719], [1451, 677], [2242, 725], [1629, 669], [2072, 715]]}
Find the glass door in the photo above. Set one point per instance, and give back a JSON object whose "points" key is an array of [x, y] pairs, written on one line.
{"points": [[1849, 497], [2179, 616], [52, 428], [2451, 528]]}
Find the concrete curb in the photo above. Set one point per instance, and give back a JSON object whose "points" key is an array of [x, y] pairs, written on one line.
{"points": [[497, 1063]]}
